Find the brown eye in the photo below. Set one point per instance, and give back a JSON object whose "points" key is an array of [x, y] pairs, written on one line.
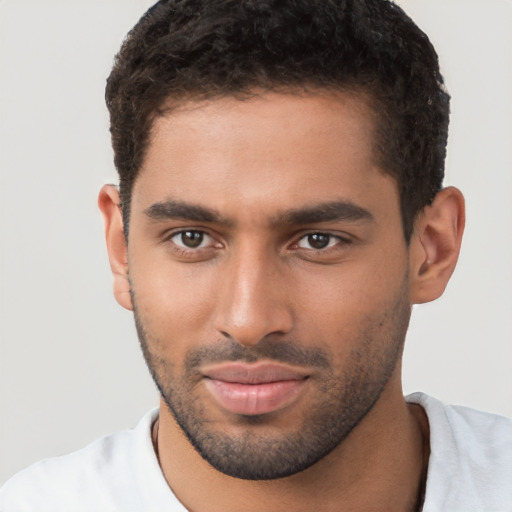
{"points": [[317, 241], [191, 239]]}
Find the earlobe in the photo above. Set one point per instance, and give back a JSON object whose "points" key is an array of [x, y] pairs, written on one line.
{"points": [[435, 245], [108, 202]]}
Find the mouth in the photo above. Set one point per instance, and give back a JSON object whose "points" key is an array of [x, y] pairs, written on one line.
{"points": [[253, 389]]}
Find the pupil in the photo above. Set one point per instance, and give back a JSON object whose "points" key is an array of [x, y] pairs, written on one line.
{"points": [[192, 238], [318, 240]]}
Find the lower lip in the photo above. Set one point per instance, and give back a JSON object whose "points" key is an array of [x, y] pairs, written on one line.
{"points": [[253, 399]]}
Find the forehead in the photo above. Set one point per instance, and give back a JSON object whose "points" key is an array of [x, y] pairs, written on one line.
{"points": [[269, 152]]}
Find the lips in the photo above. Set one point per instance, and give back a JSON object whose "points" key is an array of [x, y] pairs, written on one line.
{"points": [[253, 389]]}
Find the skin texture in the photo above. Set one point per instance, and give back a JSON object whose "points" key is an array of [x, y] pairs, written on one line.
{"points": [[272, 276]]}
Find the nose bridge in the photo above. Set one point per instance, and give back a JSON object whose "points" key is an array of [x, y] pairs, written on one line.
{"points": [[252, 302]]}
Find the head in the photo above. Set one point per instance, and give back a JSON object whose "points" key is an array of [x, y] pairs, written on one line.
{"points": [[201, 49], [280, 167]]}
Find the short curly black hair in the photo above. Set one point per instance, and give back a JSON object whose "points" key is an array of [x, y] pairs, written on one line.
{"points": [[198, 49]]}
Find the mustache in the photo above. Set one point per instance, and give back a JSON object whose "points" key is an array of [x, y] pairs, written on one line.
{"points": [[277, 351]]}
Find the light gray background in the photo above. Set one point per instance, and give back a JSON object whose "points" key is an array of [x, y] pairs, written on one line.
{"points": [[70, 368]]}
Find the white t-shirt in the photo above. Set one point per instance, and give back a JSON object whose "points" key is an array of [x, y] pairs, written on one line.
{"points": [[470, 469]]}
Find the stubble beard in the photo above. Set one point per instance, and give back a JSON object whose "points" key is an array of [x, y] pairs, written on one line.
{"points": [[343, 398]]}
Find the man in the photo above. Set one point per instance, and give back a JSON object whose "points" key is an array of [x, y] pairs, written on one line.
{"points": [[280, 210]]}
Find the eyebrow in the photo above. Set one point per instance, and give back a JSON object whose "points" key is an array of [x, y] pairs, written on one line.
{"points": [[173, 209], [325, 212]]}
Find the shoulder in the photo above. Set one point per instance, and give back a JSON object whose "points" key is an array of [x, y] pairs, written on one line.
{"points": [[466, 428], [93, 478], [470, 466]]}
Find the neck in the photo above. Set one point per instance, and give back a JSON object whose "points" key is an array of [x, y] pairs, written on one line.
{"points": [[380, 466]]}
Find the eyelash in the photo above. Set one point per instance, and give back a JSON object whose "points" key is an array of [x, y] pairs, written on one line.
{"points": [[182, 248], [339, 242]]}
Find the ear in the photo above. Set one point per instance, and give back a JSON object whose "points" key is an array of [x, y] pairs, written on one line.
{"points": [[109, 204], [435, 245]]}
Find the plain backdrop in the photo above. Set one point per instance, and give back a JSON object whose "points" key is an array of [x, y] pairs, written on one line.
{"points": [[70, 368]]}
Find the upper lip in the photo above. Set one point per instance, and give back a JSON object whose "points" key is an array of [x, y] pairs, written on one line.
{"points": [[259, 373]]}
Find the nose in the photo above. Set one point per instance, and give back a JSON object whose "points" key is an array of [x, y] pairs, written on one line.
{"points": [[253, 300]]}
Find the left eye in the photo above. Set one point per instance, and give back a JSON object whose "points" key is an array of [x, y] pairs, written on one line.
{"points": [[191, 239], [318, 241]]}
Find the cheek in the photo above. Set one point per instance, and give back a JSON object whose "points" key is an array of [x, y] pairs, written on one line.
{"points": [[341, 304], [174, 303]]}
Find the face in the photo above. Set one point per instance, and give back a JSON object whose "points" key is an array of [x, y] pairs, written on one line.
{"points": [[268, 275]]}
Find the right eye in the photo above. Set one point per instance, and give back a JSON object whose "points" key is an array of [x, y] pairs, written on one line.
{"points": [[191, 239]]}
